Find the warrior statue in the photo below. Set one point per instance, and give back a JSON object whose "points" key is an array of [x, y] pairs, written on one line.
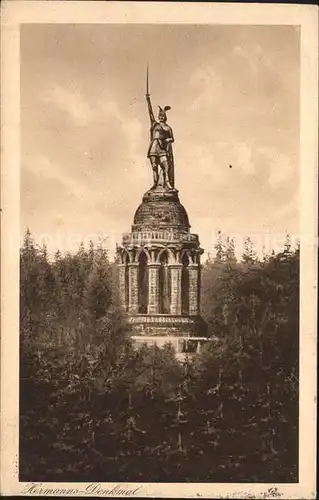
{"points": [[160, 151]]}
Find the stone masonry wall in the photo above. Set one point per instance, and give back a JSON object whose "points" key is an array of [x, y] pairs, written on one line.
{"points": [[153, 288], [133, 288], [122, 285], [193, 273], [176, 289]]}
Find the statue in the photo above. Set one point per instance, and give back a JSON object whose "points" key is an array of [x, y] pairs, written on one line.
{"points": [[160, 151]]}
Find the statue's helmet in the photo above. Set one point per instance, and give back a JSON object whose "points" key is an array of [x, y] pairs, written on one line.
{"points": [[162, 113]]}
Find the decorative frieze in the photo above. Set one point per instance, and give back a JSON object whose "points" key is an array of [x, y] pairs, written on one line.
{"points": [[145, 237], [161, 318], [168, 325]]}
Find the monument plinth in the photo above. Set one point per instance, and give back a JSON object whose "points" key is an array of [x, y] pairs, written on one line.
{"points": [[159, 260]]}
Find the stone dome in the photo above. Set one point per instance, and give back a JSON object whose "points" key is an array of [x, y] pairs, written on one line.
{"points": [[156, 212]]}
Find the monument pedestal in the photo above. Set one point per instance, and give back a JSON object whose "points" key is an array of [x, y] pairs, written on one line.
{"points": [[162, 284], [165, 324]]}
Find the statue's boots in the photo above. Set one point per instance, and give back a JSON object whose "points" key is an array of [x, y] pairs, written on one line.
{"points": [[167, 184]]}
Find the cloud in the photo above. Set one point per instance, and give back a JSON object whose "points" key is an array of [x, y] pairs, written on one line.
{"points": [[244, 157], [131, 128], [255, 58], [247, 56], [240, 155], [101, 153], [208, 85], [69, 101], [290, 208], [82, 111], [201, 158], [281, 167], [44, 168]]}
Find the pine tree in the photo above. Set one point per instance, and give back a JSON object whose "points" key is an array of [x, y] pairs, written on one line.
{"points": [[229, 252], [249, 255], [37, 288], [97, 293], [287, 244], [219, 248]]}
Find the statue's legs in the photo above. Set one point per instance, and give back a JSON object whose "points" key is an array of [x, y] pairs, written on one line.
{"points": [[165, 167], [154, 164]]}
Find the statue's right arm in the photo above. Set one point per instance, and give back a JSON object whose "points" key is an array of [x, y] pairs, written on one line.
{"points": [[150, 110]]}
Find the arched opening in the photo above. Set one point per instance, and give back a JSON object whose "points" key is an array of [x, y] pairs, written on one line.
{"points": [[142, 283], [190, 346], [185, 284], [164, 285], [126, 279]]}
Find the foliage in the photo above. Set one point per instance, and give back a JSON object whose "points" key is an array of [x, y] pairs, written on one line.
{"points": [[94, 408]]}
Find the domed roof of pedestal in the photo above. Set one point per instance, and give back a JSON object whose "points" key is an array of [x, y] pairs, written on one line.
{"points": [[161, 211]]}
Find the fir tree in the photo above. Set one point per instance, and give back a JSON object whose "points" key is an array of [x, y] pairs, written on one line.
{"points": [[229, 252], [219, 248], [249, 255]]}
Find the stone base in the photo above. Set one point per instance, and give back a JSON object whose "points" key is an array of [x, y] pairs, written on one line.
{"points": [[166, 325], [183, 346], [161, 209], [160, 193]]}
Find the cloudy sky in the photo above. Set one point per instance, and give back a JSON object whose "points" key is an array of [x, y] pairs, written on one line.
{"points": [[234, 93]]}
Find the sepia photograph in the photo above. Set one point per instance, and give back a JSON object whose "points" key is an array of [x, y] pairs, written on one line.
{"points": [[160, 328]]}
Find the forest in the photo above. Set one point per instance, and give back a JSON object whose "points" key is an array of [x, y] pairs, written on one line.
{"points": [[94, 408]]}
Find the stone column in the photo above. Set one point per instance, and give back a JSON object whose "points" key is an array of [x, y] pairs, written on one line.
{"points": [[133, 288], [122, 285], [153, 288], [193, 291], [176, 289]]}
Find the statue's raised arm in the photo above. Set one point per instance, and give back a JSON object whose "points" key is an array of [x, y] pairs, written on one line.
{"points": [[150, 109]]}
